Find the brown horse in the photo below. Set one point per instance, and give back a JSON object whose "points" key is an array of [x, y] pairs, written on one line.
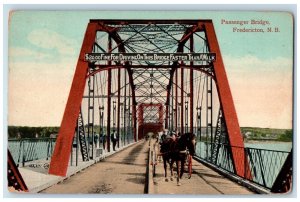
{"points": [[175, 151]]}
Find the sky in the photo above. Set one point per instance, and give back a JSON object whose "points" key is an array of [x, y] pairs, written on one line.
{"points": [[44, 48]]}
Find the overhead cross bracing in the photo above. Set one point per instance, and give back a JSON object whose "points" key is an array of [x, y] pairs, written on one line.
{"points": [[150, 78]]}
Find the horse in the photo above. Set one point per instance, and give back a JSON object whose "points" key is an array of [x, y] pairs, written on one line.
{"points": [[174, 150]]}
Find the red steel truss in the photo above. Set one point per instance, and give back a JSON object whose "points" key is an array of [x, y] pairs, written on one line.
{"points": [[158, 92]]}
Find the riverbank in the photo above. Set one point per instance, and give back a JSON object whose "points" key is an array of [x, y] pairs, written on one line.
{"points": [[266, 141], [270, 145]]}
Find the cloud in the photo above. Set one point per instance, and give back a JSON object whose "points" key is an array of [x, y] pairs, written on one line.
{"points": [[21, 53], [47, 39]]}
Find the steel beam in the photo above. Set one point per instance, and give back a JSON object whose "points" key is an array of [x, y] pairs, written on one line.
{"points": [[14, 176], [226, 101], [148, 21], [108, 109], [118, 112], [167, 109], [176, 99], [155, 67], [108, 98], [182, 101], [61, 154], [191, 87], [125, 108]]}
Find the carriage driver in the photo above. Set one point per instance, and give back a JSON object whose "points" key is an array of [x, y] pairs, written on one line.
{"points": [[163, 137], [174, 135]]}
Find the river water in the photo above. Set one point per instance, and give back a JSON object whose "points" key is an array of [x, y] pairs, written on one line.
{"points": [[272, 145], [266, 159]]}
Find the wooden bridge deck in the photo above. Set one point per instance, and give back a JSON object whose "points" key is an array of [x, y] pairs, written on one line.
{"points": [[125, 172], [204, 181]]}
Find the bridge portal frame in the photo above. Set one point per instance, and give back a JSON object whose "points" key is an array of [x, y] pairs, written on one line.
{"points": [[61, 154]]}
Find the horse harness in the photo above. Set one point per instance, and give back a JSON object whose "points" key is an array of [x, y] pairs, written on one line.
{"points": [[180, 152]]}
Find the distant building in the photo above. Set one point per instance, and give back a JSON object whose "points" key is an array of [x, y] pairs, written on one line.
{"points": [[53, 135], [247, 134]]}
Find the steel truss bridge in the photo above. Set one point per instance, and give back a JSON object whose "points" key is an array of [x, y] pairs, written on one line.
{"points": [[133, 97]]}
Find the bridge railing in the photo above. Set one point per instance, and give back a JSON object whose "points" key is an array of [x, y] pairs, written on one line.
{"points": [[264, 164], [30, 149]]}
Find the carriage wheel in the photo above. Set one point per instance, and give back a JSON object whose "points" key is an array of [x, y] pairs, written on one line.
{"points": [[190, 166]]}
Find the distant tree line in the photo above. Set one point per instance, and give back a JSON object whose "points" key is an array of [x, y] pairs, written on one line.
{"points": [[40, 132], [30, 132], [255, 133], [285, 135]]}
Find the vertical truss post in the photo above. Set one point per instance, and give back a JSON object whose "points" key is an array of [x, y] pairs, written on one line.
{"points": [[134, 119], [118, 113], [170, 118], [182, 100], [91, 103], [161, 113], [108, 109], [199, 122], [122, 124], [167, 112], [219, 135], [125, 107], [100, 136], [133, 106], [141, 111], [209, 112], [82, 138], [114, 116], [186, 116], [176, 99], [191, 87], [108, 97], [77, 144], [129, 116], [101, 126], [172, 108], [71, 160], [140, 120]]}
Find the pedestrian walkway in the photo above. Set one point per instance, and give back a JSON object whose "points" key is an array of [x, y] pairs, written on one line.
{"points": [[121, 173], [35, 173]]}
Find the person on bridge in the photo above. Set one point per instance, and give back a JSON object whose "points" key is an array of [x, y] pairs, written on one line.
{"points": [[174, 135], [104, 140], [114, 140], [163, 137], [95, 139]]}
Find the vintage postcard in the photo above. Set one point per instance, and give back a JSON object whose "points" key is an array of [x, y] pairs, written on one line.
{"points": [[150, 102]]}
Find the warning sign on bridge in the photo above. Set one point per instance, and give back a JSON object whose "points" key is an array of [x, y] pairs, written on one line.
{"points": [[94, 57]]}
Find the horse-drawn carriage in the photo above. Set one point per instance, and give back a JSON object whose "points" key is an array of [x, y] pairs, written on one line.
{"points": [[179, 150]]}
